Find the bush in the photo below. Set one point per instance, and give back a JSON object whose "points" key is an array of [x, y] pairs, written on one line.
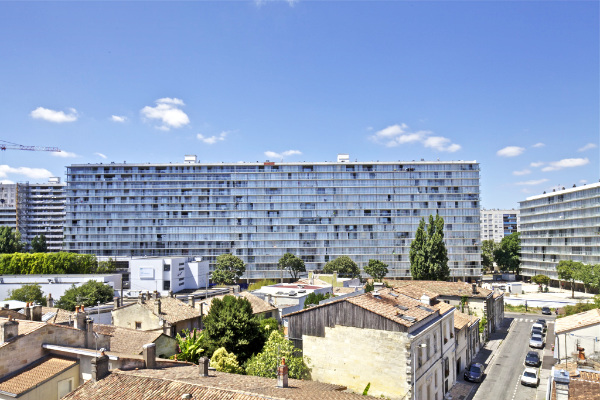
{"points": [[29, 294], [266, 362], [224, 361], [261, 283], [88, 294], [578, 308]]}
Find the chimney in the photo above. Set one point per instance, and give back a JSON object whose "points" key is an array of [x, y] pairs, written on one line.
{"points": [[9, 329], [377, 286], [99, 366], [474, 288], [6, 306], [36, 312], [192, 301], [203, 366], [155, 295], [157, 309], [116, 302], [282, 375], [231, 291], [561, 379], [50, 300], [27, 312], [149, 352], [171, 294], [79, 318], [426, 299], [89, 334], [141, 299]]}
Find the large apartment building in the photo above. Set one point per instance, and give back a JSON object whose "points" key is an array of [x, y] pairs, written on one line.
{"points": [[259, 211], [561, 225], [495, 224], [35, 209]]}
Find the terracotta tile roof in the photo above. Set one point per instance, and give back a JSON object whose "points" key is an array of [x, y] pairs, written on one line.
{"points": [[172, 310], [583, 385], [415, 291], [259, 306], [576, 321], [35, 374], [172, 383], [61, 316], [24, 328], [127, 341], [343, 290], [461, 320], [314, 281], [442, 288], [5, 313]]}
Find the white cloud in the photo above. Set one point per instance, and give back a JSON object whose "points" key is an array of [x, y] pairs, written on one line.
{"points": [[522, 172], [118, 118], [213, 139], [54, 116], [582, 181], [565, 163], [537, 164], [101, 155], [510, 151], [287, 153], [588, 146], [33, 173], [6, 182], [399, 134], [64, 154], [538, 145], [532, 182], [167, 111]]}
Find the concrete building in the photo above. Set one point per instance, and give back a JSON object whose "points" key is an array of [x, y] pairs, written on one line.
{"points": [[166, 274], [578, 331], [404, 348], [56, 285], [495, 224], [260, 211], [290, 297], [560, 225], [466, 329]]}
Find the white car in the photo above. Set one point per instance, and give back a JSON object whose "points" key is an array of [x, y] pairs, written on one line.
{"points": [[530, 377], [536, 341]]}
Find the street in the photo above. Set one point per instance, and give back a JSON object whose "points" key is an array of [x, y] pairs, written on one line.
{"points": [[503, 374]]}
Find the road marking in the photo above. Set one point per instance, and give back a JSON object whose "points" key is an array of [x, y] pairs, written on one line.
{"points": [[516, 387]]}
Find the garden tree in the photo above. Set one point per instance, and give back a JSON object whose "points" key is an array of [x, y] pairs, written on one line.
{"points": [[47, 263], [589, 275], [189, 345], [487, 254], [231, 324], [343, 266], [106, 267], [508, 254], [568, 270], [88, 294], [28, 294], [38, 244], [315, 298], [293, 264], [541, 280], [10, 240], [224, 361], [428, 254], [377, 269], [228, 270], [266, 362], [268, 325]]}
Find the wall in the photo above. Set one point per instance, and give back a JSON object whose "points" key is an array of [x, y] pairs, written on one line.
{"points": [[182, 274], [585, 336], [165, 346], [126, 317], [376, 356]]}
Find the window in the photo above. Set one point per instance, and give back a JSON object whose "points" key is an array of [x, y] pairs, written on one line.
{"points": [[167, 267], [138, 325], [65, 387], [166, 285]]}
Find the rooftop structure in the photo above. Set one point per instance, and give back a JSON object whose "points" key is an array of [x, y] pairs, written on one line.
{"points": [[260, 211]]}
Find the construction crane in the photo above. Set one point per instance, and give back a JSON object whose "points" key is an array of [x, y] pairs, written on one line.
{"points": [[4, 145]]}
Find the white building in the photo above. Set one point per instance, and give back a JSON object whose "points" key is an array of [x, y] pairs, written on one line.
{"points": [[290, 297], [495, 224], [578, 331], [164, 274], [56, 285]]}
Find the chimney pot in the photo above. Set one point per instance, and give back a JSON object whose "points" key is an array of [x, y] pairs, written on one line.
{"points": [[203, 366], [157, 308], [99, 367], [27, 312], [149, 352], [9, 329], [192, 301], [474, 288], [50, 300], [282, 375], [36, 312]]}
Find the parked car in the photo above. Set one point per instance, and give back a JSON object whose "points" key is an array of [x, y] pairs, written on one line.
{"points": [[546, 311], [542, 322], [536, 341], [474, 372], [537, 329], [532, 359], [530, 377]]}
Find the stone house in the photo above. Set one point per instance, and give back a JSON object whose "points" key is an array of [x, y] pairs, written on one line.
{"points": [[131, 341], [405, 349], [466, 328], [167, 313]]}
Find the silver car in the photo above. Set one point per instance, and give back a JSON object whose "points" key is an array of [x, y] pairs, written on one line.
{"points": [[536, 341]]}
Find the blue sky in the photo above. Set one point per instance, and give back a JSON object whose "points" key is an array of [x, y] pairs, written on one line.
{"points": [[513, 85]]}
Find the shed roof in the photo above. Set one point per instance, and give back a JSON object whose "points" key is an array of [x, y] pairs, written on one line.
{"points": [[577, 321], [35, 374], [443, 288]]}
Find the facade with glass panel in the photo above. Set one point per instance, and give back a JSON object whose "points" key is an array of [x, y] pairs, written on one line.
{"points": [[259, 211], [495, 224], [562, 225]]}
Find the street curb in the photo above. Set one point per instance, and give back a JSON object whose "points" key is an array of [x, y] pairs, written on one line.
{"points": [[495, 353]]}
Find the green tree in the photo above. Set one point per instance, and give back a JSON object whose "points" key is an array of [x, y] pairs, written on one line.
{"points": [[29, 294], [377, 269], [541, 280], [106, 267], [228, 270], [428, 253], [88, 294], [567, 271], [224, 361], [508, 254], [315, 298], [47, 263], [261, 283], [38, 244], [343, 266], [586, 275], [487, 254], [293, 264], [231, 324], [10, 240], [268, 325], [266, 362], [189, 345]]}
